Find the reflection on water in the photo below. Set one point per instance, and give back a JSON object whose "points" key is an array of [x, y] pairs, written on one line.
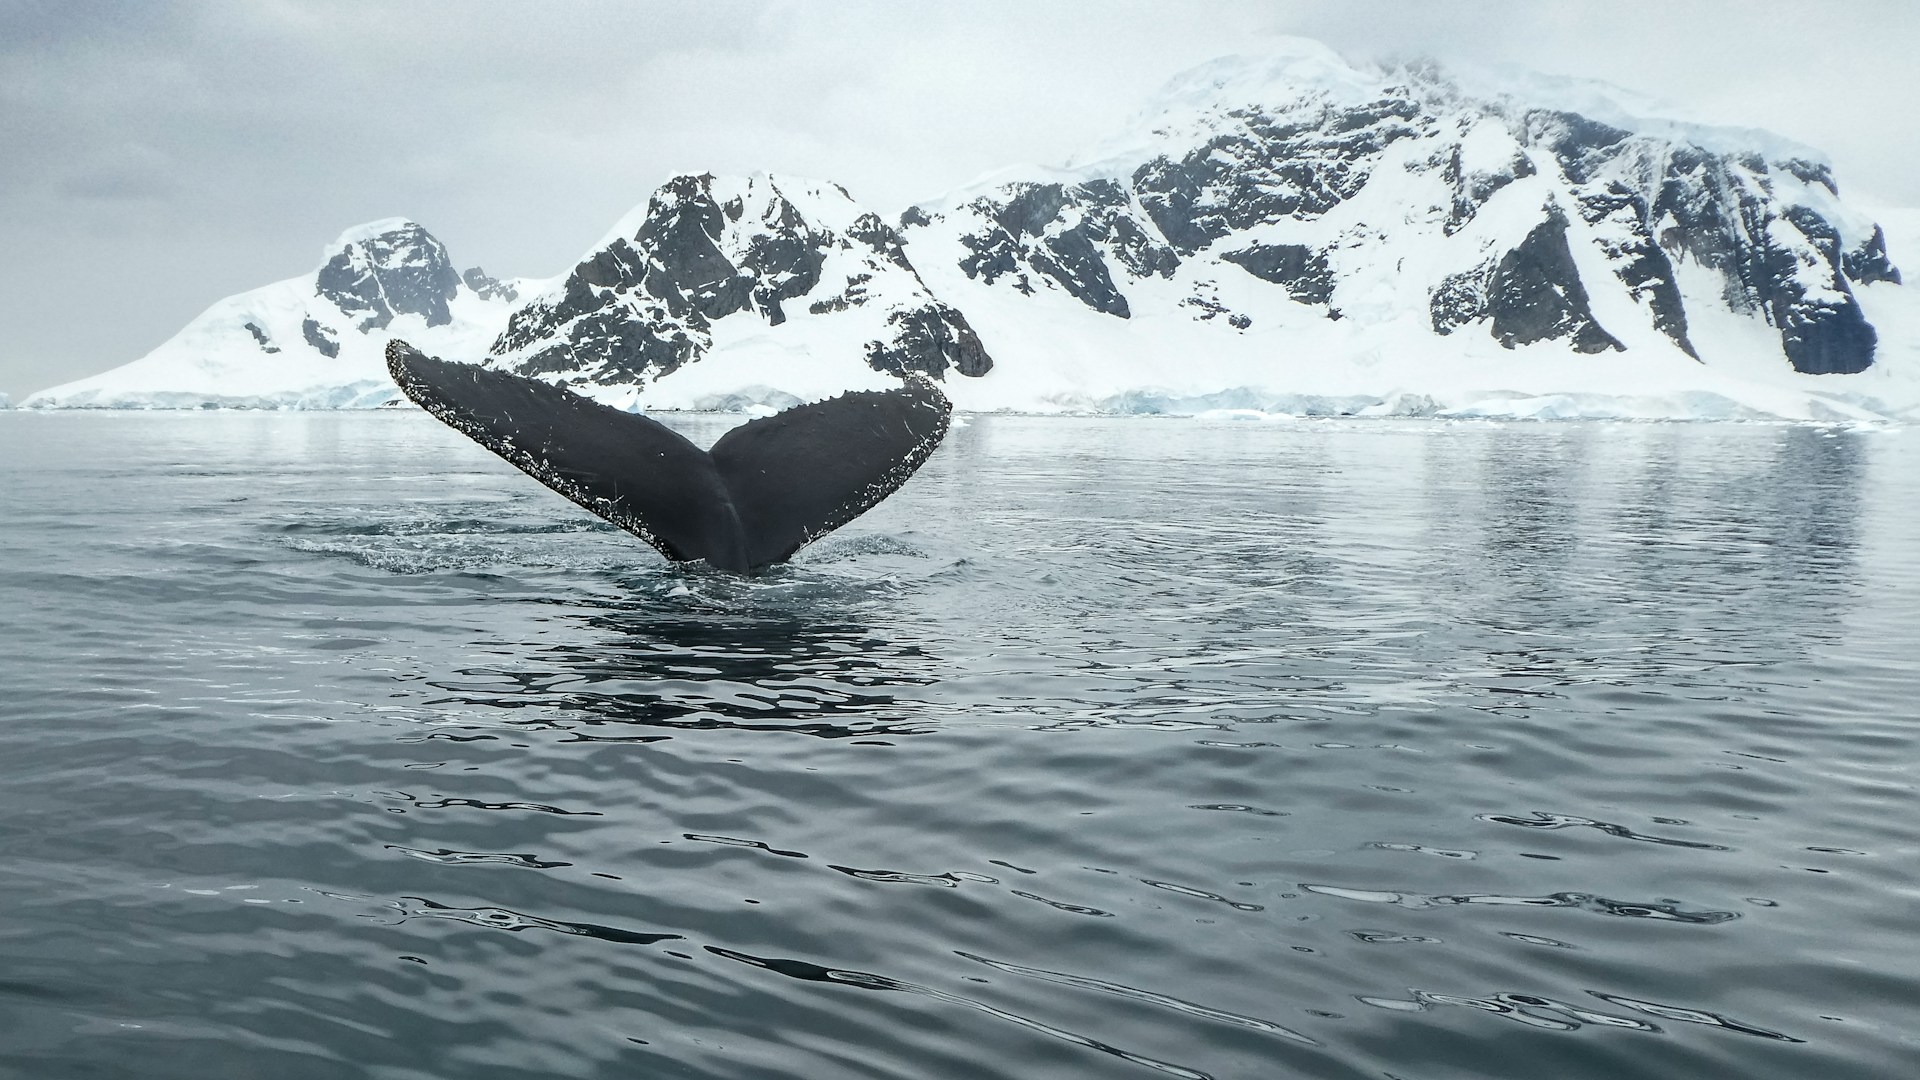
{"points": [[336, 748], [735, 670]]}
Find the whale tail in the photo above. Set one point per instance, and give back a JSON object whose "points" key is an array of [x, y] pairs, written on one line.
{"points": [[765, 489]]}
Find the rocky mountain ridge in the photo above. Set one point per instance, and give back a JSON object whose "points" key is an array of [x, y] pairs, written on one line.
{"points": [[1262, 163], [645, 304], [1283, 233]]}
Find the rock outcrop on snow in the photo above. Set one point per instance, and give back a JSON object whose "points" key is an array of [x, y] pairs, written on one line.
{"points": [[1319, 177], [763, 250]]}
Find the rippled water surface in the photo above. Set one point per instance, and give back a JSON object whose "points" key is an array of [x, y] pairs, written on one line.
{"points": [[331, 746]]}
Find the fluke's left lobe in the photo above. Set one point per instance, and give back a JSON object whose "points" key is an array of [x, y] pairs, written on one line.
{"points": [[767, 488]]}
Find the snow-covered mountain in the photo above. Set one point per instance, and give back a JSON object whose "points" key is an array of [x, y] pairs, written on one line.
{"points": [[315, 341], [720, 292], [1292, 233], [1286, 233]]}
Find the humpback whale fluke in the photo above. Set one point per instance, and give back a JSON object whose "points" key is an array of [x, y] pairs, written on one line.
{"points": [[766, 488]]}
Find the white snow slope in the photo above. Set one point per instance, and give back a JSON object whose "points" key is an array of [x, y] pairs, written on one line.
{"points": [[255, 350], [1390, 245]]}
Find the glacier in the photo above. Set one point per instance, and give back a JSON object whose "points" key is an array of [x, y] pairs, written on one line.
{"points": [[1288, 234]]}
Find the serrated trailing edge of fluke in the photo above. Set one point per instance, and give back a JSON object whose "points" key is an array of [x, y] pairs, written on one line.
{"points": [[759, 494]]}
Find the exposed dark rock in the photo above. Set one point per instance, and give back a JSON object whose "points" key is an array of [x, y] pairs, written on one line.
{"points": [[1031, 208], [1637, 259], [1460, 299], [1821, 325], [260, 338], [320, 337], [1579, 144], [1136, 249], [1818, 231], [1471, 190], [786, 264], [1168, 193], [640, 308], [1536, 294], [1209, 307], [1268, 171], [615, 345], [854, 295], [1868, 263], [1068, 234], [1827, 339], [488, 288], [1810, 172], [1301, 269], [1376, 116], [883, 238], [1784, 264], [991, 255], [1071, 259], [678, 236], [1533, 293], [1710, 213], [604, 327], [929, 340], [403, 271], [355, 290]]}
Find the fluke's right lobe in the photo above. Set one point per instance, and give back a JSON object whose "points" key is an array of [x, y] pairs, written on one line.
{"points": [[767, 488]]}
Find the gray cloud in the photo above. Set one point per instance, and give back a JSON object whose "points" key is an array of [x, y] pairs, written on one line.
{"points": [[129, 171], [160, 156]]}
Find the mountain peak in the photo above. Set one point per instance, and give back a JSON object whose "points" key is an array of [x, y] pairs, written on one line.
{"points": [[1292, 68], [311, 341], [372, 230], [711, 259], [1417, 202], [386, 268]]}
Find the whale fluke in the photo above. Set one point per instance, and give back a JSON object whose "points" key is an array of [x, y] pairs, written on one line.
{"points": [[766, 488]]}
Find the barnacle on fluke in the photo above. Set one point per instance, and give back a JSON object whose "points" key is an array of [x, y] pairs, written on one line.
{"points": [[767, 488]]}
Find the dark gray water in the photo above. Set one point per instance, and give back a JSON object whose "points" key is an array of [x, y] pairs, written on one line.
{"points": [[330, 746]]}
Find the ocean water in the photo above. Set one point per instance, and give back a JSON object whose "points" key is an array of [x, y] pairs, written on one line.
{"points": [[330, 746]]}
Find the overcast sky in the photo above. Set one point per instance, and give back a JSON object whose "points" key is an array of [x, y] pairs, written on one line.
{"points": [[155, 157]]}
